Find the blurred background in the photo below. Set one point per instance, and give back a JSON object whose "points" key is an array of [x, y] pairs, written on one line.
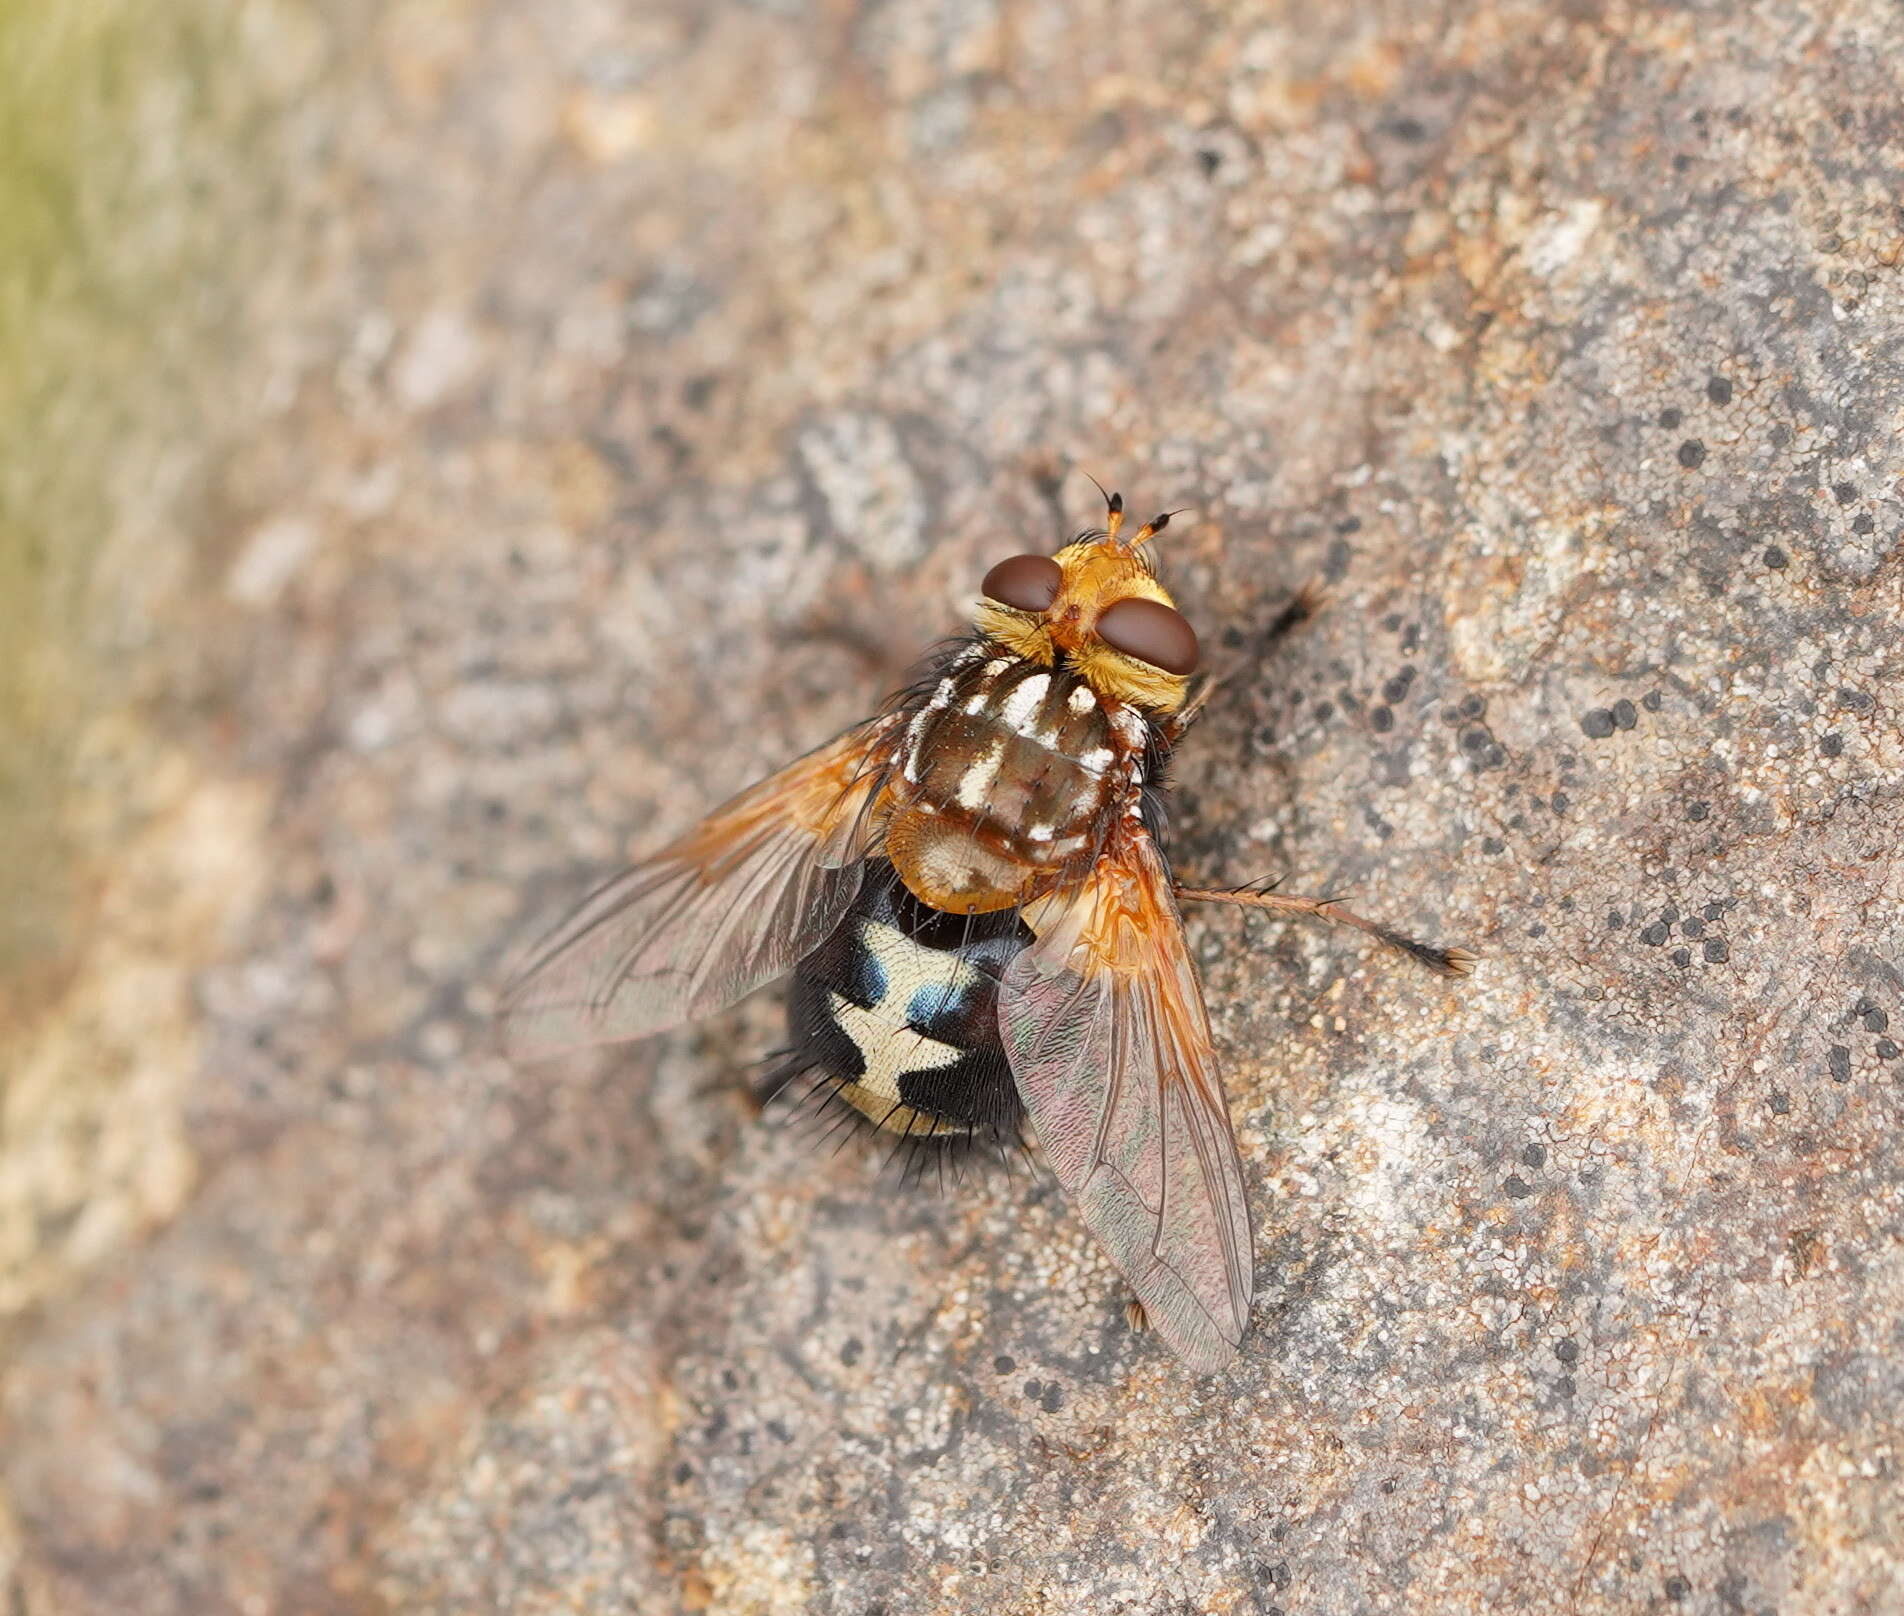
{"points": [[446, 445]]}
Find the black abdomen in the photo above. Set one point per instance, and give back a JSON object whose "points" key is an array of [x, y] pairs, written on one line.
{"points": [[897, 1013]]}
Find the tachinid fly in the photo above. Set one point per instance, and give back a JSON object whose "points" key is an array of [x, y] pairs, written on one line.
{"points": [[971, 893]]}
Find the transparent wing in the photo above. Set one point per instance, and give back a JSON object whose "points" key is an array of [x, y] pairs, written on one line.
{"points": [[733, 904], [1103, 1021]]}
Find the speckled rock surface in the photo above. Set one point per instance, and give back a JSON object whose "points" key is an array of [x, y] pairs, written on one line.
{"points": [[627, 392]]}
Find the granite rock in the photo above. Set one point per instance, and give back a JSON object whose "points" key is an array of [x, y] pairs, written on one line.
{"points": [[605, 402]]}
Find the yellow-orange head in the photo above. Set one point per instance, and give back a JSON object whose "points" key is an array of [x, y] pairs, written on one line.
{"points": [[1098, 606]]}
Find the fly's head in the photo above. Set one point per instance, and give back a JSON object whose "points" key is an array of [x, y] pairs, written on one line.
{"points": [[1096, 606]]}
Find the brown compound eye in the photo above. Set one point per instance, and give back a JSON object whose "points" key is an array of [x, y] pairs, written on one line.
{"points": [[1029, 582], [1150, 631]]}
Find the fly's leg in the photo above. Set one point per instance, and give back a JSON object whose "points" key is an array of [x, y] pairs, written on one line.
{"points": [[1446, 961], [1303, 605]]}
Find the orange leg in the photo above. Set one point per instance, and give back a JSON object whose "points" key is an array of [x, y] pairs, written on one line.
{"points": [[1448, 961]]}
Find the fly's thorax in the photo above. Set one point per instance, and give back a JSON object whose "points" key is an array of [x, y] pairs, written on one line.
{"points": [[1010, 772]]}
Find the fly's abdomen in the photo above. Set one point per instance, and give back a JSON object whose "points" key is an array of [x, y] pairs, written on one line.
{"points": [[897, 1011]]}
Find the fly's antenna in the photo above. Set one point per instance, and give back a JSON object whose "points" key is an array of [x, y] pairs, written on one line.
{"points": [[1152, 528], [1113, 510], [1114, 521]]}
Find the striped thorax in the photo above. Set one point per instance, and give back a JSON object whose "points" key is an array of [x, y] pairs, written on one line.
{"points": [[1011, 770]]}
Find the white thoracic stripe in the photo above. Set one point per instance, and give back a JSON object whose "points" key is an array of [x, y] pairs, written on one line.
{"points": [[1097, 760], [1040, 833], [1023, 702], [981, 775], [976, 704], [914, 732], [1083, 699]]}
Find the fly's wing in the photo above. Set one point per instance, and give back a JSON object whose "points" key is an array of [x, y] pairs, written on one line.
{"points": [[736, 902], [1104, 1025]]}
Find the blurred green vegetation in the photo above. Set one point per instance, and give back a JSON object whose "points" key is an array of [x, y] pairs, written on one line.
{"points": [[111, 114]]}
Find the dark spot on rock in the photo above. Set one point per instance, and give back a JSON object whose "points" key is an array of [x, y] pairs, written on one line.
{"points": [[1875, 1020], [1697, 811], [1776, 559], [1517, 1187], [1537, 930], [1411, 130], [1670, 417], [1692, 454], [1838, 1062], [1053, 1399], [1324, 711], [1534, 1156], [1473, 706], [850, 1350], [1474, 740], [1844, 493], [1034, 1389], [1558, 801], [1397, 687], [1614, 920], [1682, 957], [1597, 724], [1651, 701], [1278, 1574], [1565, 1386], [1496, 757], [1389, 1485], [1887, 1049], [1493, 844], [1831, 744], [1781, 1103], [1716, 951], [1624, 714], [1719, 390], [1567, 1351], [1209, 160], [1004, 1363], [1692, 927], [683, 1472], [1856, 700], [1654, 934], [1670, 912], [1677, 1588], [1381, 720], [1335, 565], [777, 1429]]}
